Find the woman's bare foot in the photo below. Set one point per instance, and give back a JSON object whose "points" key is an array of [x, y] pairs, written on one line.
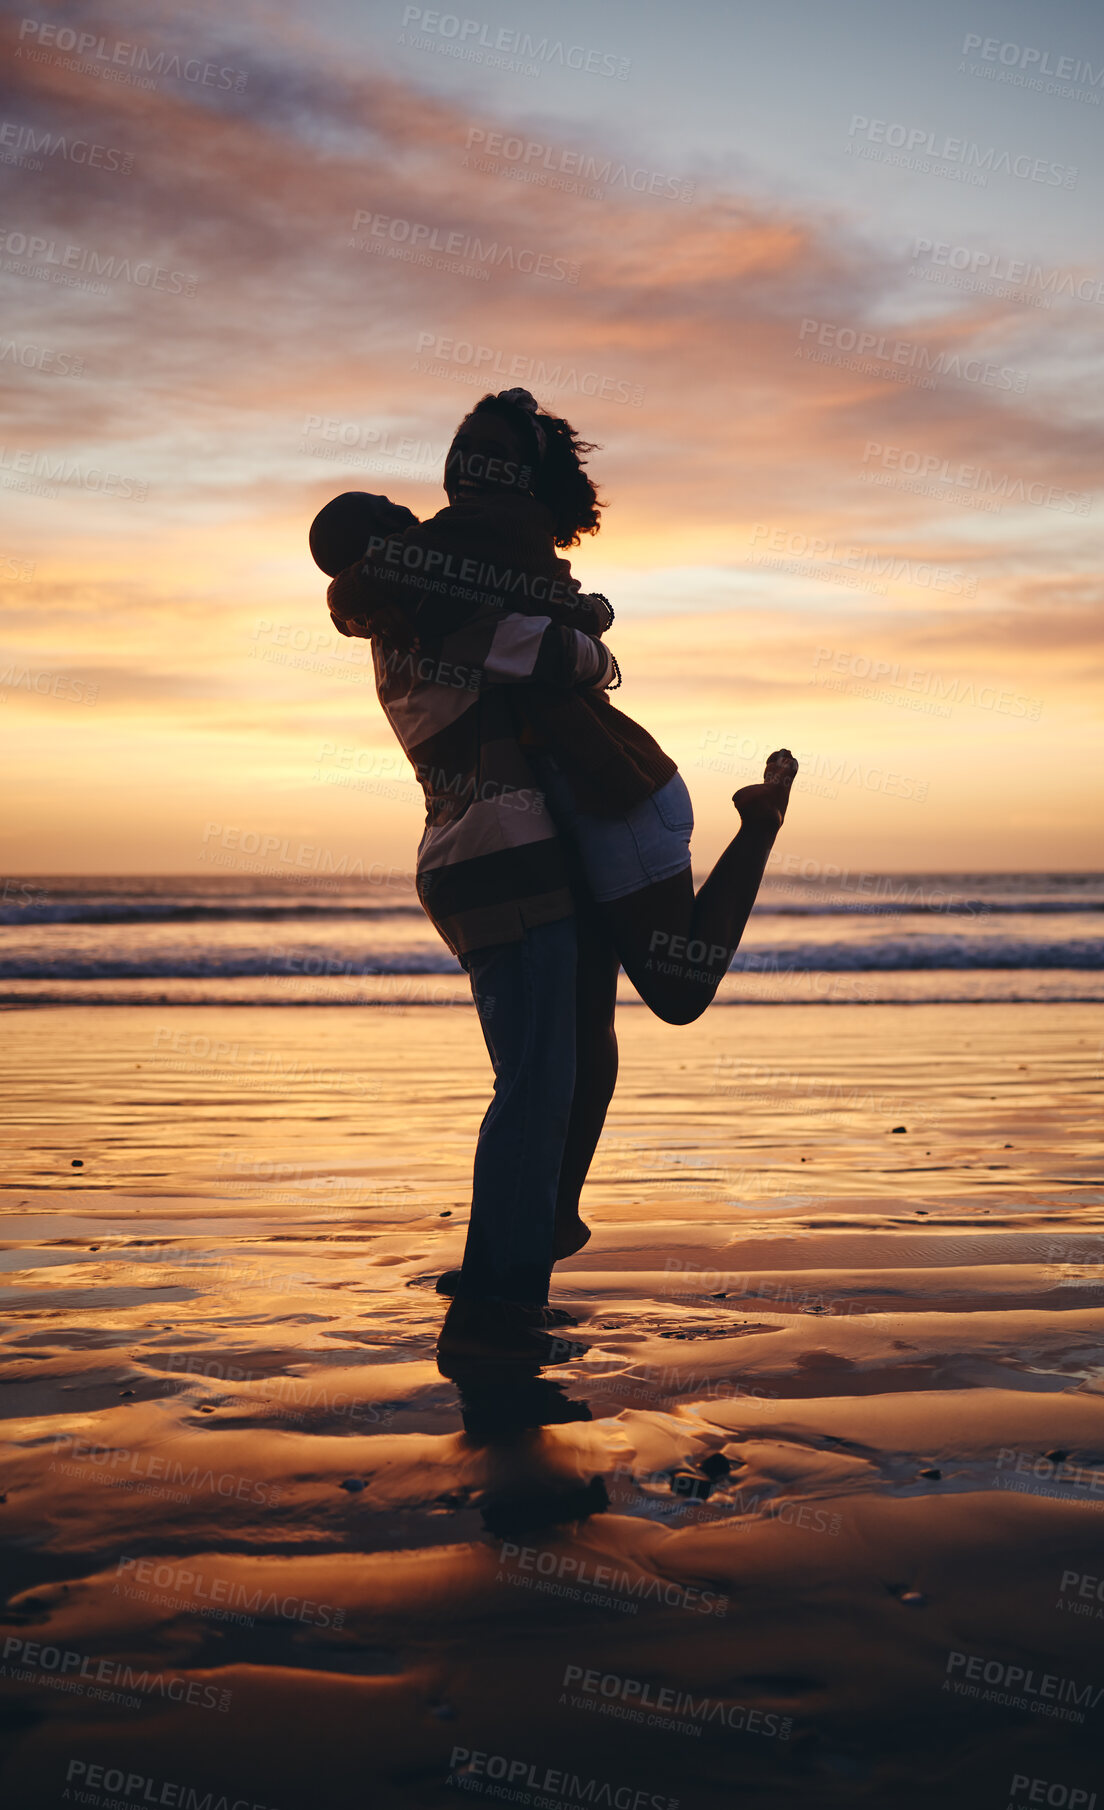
{"points": [[766, 803], [570, 1237]]}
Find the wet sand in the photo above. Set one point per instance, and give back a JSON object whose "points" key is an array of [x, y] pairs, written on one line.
{"points": [[810, 1512]]}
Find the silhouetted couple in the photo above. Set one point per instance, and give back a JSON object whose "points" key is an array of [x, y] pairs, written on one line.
{"points": [[556, 846]]}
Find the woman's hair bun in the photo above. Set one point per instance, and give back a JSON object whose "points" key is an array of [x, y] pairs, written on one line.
{"points": [[522, 399]]}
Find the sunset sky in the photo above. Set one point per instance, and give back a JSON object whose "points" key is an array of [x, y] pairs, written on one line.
{"points": [[848, 408]]}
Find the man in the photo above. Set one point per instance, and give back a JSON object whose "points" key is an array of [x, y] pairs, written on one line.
{"points": [[494, 875]]}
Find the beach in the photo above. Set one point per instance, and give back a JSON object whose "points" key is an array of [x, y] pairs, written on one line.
{"points": [[467, 470], [809, 1507]]}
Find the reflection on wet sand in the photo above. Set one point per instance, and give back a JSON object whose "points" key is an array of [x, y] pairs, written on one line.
{"points": [[530, 1481], [808, 1509]]}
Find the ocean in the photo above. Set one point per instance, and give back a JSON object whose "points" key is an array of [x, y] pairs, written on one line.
{"points": [[290, 938]]}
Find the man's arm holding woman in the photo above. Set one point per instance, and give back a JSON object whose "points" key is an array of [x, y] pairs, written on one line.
{"points": [[395, 593]]}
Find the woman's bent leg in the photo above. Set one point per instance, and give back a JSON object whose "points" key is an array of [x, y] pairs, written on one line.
{"points": [[525, 996], [676, 948]]}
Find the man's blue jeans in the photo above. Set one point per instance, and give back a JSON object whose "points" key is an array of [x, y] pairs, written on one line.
{"points": [[525, 996]]}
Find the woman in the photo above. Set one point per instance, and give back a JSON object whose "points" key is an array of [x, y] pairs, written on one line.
{"points": [[491, 669]]}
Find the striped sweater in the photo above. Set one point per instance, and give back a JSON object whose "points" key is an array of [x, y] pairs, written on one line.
{"points": [[481, 636]]}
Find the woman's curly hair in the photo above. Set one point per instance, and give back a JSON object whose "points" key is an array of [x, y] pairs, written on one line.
{"points": [[560, 482]]}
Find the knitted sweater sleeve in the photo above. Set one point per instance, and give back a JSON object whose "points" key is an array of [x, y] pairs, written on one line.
{"points": [[510, 648]]}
